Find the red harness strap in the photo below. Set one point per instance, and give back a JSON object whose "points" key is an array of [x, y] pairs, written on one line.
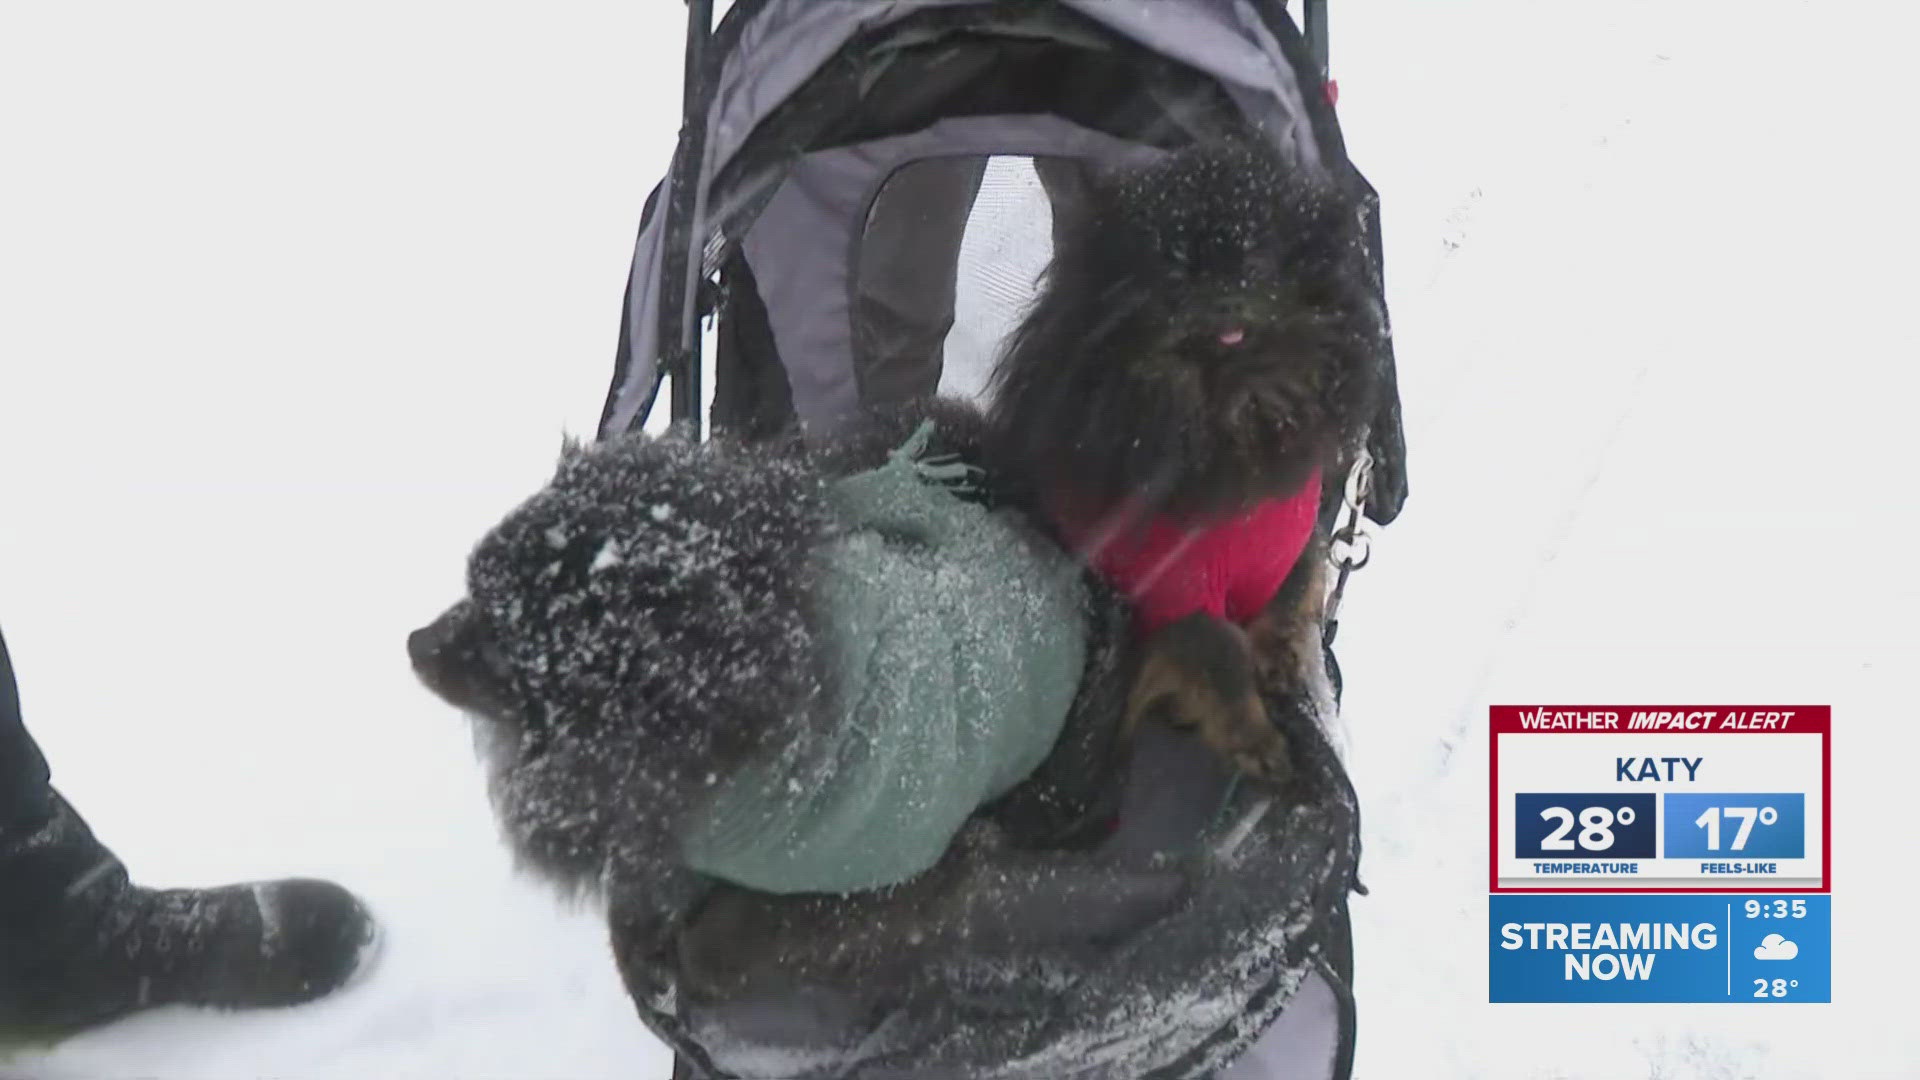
{"points": [[1170, 569]]}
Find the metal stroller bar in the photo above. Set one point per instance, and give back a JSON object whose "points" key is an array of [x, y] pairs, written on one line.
{"points": [[680, 323], [1315, 31]]}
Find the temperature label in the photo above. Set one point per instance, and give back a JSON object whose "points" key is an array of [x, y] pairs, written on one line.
{"points": [[1641, 798]]}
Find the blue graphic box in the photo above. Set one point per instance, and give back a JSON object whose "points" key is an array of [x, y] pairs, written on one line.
{"points": [[1741, 827], [1659, 948], [1542, 819]]}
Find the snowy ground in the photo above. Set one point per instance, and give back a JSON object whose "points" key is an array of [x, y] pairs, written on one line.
{"points": [[299, 298]]}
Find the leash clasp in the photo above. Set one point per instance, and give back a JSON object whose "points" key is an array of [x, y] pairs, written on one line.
{"points": [[1351, 546]]}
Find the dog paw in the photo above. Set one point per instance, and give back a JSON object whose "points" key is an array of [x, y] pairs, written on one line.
{"points": [[1268, 759], [1246, 737]]}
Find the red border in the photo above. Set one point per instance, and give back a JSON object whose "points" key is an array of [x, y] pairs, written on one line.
{"points": [[1807, 719]]}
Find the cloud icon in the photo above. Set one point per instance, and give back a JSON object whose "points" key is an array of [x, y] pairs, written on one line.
{"points": [[1775, 947]]}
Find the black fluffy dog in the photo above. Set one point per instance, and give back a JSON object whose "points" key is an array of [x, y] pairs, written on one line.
{"points": [[630, 628], [1206, 342]]}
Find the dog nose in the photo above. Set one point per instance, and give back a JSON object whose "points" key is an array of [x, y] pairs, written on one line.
{"points": [[428, 646], [424, 644]]}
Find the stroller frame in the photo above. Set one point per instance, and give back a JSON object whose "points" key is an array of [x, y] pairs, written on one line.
{"points": [[681, 359], [684, 253]]}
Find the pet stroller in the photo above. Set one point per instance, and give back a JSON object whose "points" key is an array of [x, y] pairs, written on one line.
{"points": [[861, 202]]}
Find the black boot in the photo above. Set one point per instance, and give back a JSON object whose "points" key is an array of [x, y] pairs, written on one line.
{"points": [[81, 945]]}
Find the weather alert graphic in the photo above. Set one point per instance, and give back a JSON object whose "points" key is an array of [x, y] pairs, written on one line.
{"points": [[1660, 854]]}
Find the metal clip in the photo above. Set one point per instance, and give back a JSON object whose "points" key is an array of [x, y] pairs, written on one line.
{"points": [[1352, 542], [1359, 482], [1351, 545]]}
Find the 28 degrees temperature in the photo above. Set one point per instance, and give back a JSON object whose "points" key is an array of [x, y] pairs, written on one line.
{"points": [[1584, 825]]}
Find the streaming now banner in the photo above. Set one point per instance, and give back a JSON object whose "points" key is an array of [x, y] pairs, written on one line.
{"points": [[1760, 948]]}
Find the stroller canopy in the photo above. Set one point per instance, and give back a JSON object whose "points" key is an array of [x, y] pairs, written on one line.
{"points": [[862, 198], [847, 167]]}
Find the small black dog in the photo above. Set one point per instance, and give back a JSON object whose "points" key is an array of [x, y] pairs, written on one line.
{"points": [[635, 625], [1205, 347], [631, 633]]}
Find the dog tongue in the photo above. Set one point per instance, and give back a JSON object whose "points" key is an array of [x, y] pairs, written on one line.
{"points": [[1233, 337]]}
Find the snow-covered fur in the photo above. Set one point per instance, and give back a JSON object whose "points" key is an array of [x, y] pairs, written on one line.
{"points": [[630, 629]]}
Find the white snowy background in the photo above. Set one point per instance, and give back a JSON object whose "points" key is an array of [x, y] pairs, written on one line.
{"points": [[297, 298]]}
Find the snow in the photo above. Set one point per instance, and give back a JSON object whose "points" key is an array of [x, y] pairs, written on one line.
{"points": [[607, 558], [300, 299]]}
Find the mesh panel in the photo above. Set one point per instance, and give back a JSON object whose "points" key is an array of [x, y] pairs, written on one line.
{"points": [[1008, 240], [948, 262]]}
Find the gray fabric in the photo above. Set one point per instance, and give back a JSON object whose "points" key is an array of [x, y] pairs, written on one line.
{"points": [[788, 42], [790, 39], [1303, 1044], [1227, 40], [815, 221], [903, 300], [643, 325]]}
